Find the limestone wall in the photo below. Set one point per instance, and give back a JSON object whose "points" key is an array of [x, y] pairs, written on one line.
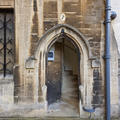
{"points": [[115, 4], [7, 4], [7, 90], [35, 18], [115, 44], [114, 76]]}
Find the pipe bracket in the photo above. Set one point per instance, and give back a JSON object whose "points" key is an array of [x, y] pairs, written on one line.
{"points": [[108, 8], [106, 57], [107, 21]]}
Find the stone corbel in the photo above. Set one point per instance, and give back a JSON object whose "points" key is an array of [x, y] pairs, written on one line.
{"points": [[95, 63], [30, 63]]}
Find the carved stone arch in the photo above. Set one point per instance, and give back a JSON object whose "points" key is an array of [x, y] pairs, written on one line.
{"points": [[71, 29], [86, 74]]}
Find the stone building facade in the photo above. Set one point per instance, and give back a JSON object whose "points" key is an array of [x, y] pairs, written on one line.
{"points": [[52, 58]]}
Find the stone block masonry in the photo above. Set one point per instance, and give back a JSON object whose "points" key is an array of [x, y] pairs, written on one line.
{"points": [[38, 25]]}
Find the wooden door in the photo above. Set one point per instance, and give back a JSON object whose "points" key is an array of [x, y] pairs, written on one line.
{"points": [[54, 75]]}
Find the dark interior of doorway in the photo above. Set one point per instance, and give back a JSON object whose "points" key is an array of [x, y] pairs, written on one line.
{"points": [[63, 79]]}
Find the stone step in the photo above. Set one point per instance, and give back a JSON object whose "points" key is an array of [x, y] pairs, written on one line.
{"points": [[70, 96], [75, 82], [73, 77], [70, 86], [68, 72], [72, 101], [71, 91]]}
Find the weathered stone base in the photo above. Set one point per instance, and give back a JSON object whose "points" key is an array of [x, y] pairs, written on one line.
{"points": [[10, 109], [6, 90], [39, 110], [30, 110], [115, 110]]}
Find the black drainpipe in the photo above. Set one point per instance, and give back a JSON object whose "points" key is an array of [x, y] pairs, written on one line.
{"points": [[109, 15]]}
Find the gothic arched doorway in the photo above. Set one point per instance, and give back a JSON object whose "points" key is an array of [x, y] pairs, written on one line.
{"points": [[63, 78], [85, 71]]}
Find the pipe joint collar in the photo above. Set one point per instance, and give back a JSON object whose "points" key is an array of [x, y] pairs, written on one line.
{"points": [[107, 57], [108, 8]]}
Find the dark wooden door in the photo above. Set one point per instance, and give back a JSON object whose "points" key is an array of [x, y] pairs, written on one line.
{"points": [[54, 75]]}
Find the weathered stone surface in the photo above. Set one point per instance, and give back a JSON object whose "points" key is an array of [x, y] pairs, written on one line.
{"points": [[95, 63], [7, 3], [33, 36], [7, 90]]}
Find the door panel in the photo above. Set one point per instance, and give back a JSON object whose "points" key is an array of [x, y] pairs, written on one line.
{"points": [[54, 73]]}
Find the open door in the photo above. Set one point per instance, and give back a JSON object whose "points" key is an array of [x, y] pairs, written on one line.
{"points": [[54, 71], [63, 78]]}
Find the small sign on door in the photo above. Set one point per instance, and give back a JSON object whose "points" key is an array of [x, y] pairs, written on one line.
{"points": [[51, 56]]}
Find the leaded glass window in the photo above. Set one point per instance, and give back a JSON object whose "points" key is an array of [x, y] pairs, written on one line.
{"points": [[6, 41]]}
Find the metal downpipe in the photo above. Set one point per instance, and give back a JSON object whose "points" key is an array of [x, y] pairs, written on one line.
{"points": [[107, 58]]}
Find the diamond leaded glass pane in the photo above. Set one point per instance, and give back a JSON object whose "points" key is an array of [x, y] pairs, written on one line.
{"points": [[6, 43]]}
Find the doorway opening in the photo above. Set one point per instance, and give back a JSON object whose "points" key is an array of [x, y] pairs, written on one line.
{"points": [[63, 78]]}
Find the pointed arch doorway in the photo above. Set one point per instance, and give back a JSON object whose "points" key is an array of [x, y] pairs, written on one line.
{"points": [[63, 78], [41, 63]]}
